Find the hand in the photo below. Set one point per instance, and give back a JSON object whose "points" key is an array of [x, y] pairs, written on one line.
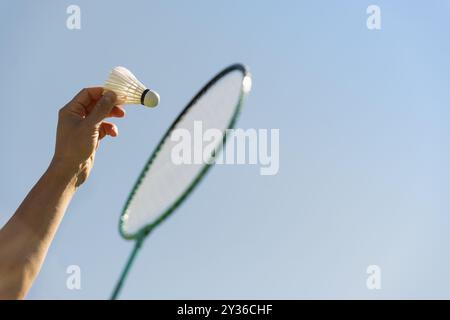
{"points": [[81, 126]]}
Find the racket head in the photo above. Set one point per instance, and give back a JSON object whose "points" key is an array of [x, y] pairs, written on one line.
{"points": [[242, 73]]}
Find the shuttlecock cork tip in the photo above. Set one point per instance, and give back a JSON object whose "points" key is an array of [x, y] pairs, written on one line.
{"points": [[150, 98]]}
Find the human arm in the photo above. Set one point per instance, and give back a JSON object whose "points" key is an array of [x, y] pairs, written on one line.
{"points": [[25, 239]]}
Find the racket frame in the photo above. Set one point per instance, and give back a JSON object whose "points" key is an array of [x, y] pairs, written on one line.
{"points": [[144, 231]]}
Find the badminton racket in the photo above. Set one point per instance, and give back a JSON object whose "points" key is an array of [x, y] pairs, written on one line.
{"points": [[163, 185]]}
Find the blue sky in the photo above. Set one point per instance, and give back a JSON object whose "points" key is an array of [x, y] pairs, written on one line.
{"points": [[364, 145]]}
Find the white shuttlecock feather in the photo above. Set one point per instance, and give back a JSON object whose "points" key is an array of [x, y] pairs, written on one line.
{"points": [[129, 89]]}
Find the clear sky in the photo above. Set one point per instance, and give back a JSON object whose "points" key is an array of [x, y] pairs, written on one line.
{"points": [[364, 127]]}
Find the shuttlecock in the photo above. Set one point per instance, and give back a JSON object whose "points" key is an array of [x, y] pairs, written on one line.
{"points": [[129, 89]]}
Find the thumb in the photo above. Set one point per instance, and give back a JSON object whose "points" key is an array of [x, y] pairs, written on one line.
{"points": [[103, 107]]}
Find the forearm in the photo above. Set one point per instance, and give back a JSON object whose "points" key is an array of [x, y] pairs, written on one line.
{"points": [[25, 239]]}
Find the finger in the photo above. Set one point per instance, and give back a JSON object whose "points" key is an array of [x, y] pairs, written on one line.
{"points": [[103, 107], [117, 112], [108, 128], [86, 98], [101, 134]]}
